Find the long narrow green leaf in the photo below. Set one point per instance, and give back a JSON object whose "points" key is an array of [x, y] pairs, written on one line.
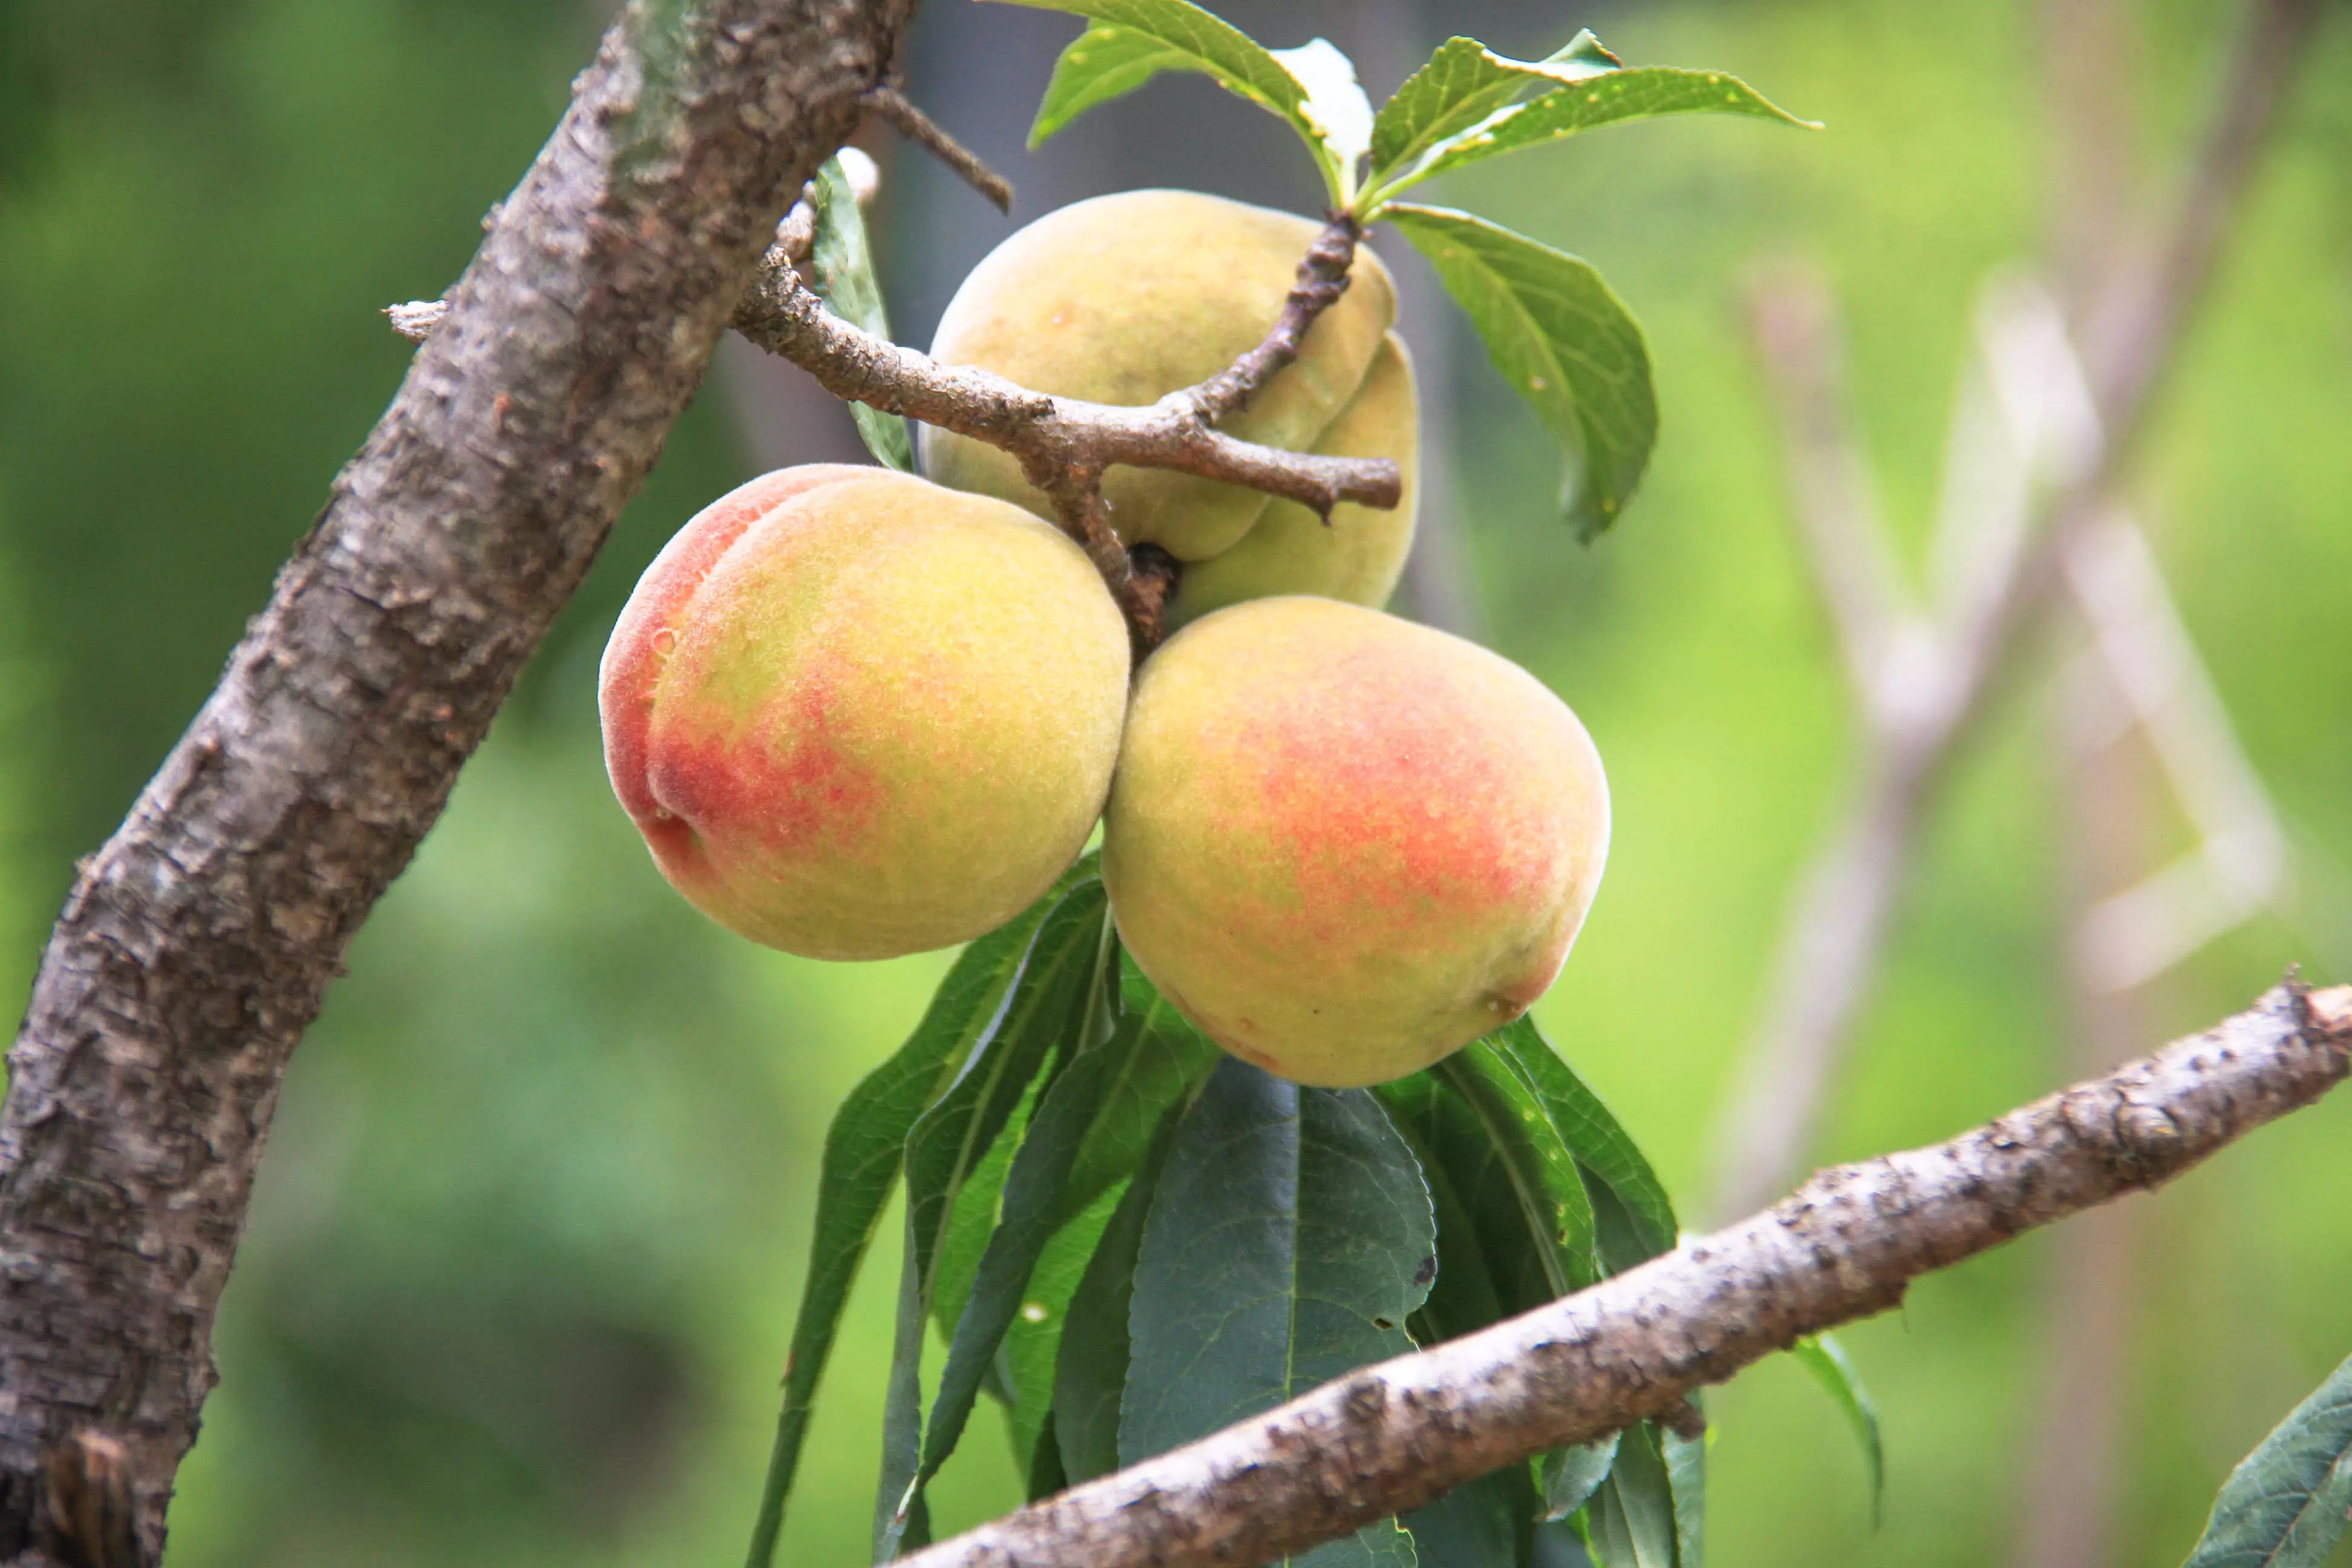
{"points": [[1614, 98], [2287, 1504], [950, 1142], [901, 1520], [1593, 1135], [1163, 1059], [1540, 1167], [1089, 1130], [1288, 1242], [1687, 1477], [1633, 1522], [842, 261], [1821, 1355], [1562, 340], [1460, 85], [1090, 1371], [862, 1153]]}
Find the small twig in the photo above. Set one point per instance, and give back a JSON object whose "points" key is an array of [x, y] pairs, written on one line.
{"points": [[898, 112], [416, 319], [1322, 278], [1845, 1246]]}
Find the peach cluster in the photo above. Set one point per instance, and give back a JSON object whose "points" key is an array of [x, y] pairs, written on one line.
{"points": [[857, 713]]}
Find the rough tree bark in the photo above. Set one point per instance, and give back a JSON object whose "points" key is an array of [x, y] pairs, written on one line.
{"points": [[1844, 1245], [196, 946]]}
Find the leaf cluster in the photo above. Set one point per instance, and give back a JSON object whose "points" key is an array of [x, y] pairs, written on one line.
{"points": [[1128, 1240], [1553, 327]]}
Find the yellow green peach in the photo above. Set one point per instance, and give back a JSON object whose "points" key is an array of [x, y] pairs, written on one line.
{"points": [[1124, 299], [1360, 553]]}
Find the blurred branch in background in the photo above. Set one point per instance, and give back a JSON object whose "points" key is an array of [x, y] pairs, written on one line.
{"points": [[1920, 698]]}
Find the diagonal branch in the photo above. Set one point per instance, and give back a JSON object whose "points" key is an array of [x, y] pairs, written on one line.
{"points": [[901, 114], [1845, 1246], [1064, 444], [1846, 904], [198, 943]]}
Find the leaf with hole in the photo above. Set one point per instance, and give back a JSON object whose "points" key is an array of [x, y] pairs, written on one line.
{"points": [[1599, 1142], [843, 263], [2287, 1504]]}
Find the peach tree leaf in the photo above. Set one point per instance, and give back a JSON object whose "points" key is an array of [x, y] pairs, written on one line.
{"points": [[863, 1152], [1089, 1132], [843, 263], [1609, 98], [1288, 1240], [1562, 340], [1157, 36], [1821, 1355], [2287, 1503], [1462, 83], [1602, 1147], [1035, 1028], [1129, 42]]}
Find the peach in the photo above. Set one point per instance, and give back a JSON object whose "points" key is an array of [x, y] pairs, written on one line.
{"points": [[855, 715], [1360, 553], [1124, 299], [1344, 845]]}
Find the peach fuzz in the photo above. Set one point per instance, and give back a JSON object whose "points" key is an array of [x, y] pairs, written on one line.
{"points": [[1344, 845], [1123, 298], [855, 715]]}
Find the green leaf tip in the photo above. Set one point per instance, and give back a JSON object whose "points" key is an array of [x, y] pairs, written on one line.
{"points": [[842, 261], [2289, 1502], [1465, 104], [1563, 341], [1126, 43], [1821, 1355]]}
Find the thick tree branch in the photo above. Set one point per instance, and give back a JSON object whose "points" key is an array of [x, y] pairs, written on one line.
{"points": [[197, 945], [1845, 906], [1845, 1246]]}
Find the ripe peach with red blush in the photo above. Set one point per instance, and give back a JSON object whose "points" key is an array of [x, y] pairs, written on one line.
{"points": [[856, 714], [1344, 845]]}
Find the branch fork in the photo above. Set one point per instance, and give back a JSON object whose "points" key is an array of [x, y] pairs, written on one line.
{"points": [[1064, 444]]}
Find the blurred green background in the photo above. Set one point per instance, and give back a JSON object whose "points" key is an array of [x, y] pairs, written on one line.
{"points": [[520, 1271]]}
